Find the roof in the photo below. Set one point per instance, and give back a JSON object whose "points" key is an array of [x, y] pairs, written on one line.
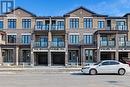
{"points": [[116, 17], [81, 7], [126, 14], [21, 9], [100, 15]]}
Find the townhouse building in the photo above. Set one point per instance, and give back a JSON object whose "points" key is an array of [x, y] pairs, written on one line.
{"points": [[78, 37]]}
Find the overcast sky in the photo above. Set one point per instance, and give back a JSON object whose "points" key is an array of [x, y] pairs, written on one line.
{"points": [[60, 7]]}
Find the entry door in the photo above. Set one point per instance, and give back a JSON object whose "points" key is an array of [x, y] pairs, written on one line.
{"points": [[89, 55], [73, 56]]}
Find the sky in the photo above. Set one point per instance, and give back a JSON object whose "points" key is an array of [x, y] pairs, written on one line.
{"points": [[60, 7]]}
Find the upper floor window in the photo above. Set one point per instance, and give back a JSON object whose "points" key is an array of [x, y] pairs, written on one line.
{"points": [[88, 39], [26, 23], [11, 38], [60, 25], [39, 24], [101, 24], [87, 22], [12, 23], [1, 24], [121, 25], [74, 39], [74, 23], [26, 39]]}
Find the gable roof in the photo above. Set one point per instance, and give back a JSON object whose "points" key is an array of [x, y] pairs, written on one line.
{"points": [[21, 9], [81, 7]]}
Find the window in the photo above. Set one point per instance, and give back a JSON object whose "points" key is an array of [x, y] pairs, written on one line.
{"points": [[104, 41], [121, 25], [11, 38], [1, 24], [74, 39], [88, 23], [39, 24], [12, 23], [42, 41], [100, 24], [114, 63], [26, 39], [88, 39], [60, 25], [26, 23], [105, 63], [122, 39], [74, 23], [58, 41]]}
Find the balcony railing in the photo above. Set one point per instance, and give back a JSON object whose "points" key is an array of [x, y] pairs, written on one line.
{"points": [[40, 44], [107, 43], [18, 41], [121, 27], [57, 27], [42, 27], [57, 44], [124, 44]]}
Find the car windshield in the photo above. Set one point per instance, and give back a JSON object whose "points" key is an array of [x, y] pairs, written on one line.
{"points": [[97, 63]]}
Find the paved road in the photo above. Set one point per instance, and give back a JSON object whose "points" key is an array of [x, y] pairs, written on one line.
{"points": [[76, 79]]}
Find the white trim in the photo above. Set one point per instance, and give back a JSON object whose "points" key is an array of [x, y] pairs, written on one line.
{"points": [[73, 33], [107, 50], [39, 20], [58, 50], [120, 20], [26, 34], [60, 20], [73, 17], [40, 50], [101, 20], [87, 33], [123, 50], [12, 17], [1, 20], [87, 17], [11, 33], [89, 48]]}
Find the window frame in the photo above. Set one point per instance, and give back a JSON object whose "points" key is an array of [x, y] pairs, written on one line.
{"points": [[26, 23], [88, 23], [74, 23], [12, 23]]}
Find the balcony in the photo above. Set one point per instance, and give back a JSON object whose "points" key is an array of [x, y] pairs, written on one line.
{"points": [[123, 27], [124, 44], [58, 44], [107, 43], [42, 27], [57, 27], [40, 44], [18, 41]]}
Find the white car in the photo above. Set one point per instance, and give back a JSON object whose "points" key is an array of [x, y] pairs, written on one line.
{"points": [[106, 66]]}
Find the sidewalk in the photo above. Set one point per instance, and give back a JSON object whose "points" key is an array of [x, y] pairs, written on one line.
{"points": [[41, 69]]}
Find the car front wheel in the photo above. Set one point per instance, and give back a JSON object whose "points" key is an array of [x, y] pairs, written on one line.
{"points": [[92, 72], [121, 71]]}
